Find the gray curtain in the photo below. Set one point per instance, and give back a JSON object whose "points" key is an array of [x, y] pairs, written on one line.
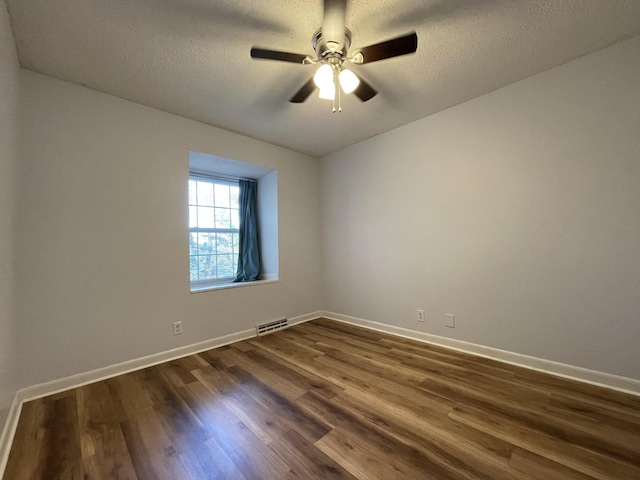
{"points": [[249, 254]]}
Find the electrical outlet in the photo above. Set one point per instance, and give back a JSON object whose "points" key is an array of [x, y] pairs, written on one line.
{"points": [[450, 321], [420, 315], [177, 328]]}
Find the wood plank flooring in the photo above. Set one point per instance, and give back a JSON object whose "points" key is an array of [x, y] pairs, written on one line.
{"points": [[326, 400]]}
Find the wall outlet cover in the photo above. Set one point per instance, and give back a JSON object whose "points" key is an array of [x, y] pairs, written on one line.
{"points": [[450, 320], [177, 328]]}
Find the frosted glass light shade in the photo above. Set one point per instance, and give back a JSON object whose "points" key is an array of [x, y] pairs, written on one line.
{"points": [[348, 81], [323, 77], [328, 92]]}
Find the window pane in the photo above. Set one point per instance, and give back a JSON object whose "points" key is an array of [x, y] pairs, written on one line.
{"points": [[225, 266], [192, 192], [234, 193], [194, 268], [206, 267], [205, 217], [193, 217], [206, 243], [193, 244], [205, 193], [225, 243], [223, 218], [213, 206], [235, 219], [222, 195]]}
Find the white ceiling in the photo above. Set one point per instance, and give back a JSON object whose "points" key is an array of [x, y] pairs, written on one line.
{"points": [[191, 57]]}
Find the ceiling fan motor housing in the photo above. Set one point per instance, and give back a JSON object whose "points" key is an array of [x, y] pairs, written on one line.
{"points": [[325, 49]]}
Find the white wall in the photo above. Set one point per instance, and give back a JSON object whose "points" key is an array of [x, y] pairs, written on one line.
{"points": [[103, 232], [267, 190], [519, 212], [8, 167]]}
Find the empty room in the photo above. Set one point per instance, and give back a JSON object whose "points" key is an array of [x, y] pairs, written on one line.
{"points": [[320, 239]]}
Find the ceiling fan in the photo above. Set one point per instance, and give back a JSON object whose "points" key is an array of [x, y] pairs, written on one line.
{"points": [[331, 43]]}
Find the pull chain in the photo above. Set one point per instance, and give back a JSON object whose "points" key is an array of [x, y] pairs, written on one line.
{"points": [[336, 96]]}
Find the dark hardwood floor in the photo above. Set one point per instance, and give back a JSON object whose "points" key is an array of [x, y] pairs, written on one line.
{"points": [[326, 400]]}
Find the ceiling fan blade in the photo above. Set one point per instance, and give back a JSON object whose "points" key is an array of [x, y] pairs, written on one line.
{"points": [[391, 48], [334, 21], [364, 91], [302, 94], [276, 55]]}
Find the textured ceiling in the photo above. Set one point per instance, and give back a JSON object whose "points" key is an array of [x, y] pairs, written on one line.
{"points": [[191, 57]]}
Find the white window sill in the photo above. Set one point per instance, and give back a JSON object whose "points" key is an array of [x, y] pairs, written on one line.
{"points": [[223, 286]]}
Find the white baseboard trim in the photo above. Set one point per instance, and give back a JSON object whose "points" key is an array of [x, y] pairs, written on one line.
{"points": [[8, 431], [602, 379], [305, 318]]}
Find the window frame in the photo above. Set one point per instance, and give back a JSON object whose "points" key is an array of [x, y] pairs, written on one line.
{"points": [[214, 179]]}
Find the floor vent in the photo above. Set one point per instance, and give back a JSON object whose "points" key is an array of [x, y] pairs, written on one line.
{"points": [[266, 328]]}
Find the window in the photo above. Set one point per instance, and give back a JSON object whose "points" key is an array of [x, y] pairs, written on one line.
{"points": [[213, 229]]}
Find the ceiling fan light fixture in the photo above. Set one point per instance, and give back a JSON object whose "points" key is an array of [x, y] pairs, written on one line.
{"points": [[331, 43], [348, 81], [324, 77]]}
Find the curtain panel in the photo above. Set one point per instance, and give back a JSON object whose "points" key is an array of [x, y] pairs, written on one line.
{"points": [[248, 253]]}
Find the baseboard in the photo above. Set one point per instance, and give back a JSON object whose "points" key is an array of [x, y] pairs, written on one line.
{"points": [[305, 318], [9, 430], [593, 377]]}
